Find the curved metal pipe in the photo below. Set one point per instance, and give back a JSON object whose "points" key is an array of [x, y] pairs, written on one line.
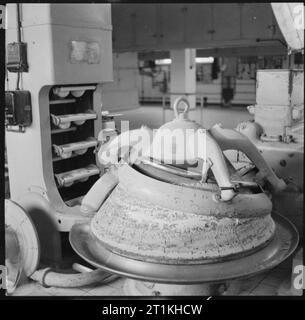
{"points": [[50, 241], [232, 139], [208, 150], [80, 268], [98, 192], [171, 169], [49, 278]]}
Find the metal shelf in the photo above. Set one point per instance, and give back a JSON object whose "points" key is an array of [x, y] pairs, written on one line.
{"points": [[68, 178], [64, 121], [65, 151], [58, 130], [55, 159], [62, 101]]}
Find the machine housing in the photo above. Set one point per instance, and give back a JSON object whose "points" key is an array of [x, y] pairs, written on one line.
{"points": [[69, 56]]}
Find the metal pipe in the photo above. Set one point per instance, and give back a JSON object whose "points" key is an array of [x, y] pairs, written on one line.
{"points": [[232, 139], [212, 156], [98, 192], [80, 268], [171, 169], [181, 176], [49, 278]]}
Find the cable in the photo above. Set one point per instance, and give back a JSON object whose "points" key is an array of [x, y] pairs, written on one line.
{"points": [[6, 77], [18, 80], [18, 23], [19, 41]]}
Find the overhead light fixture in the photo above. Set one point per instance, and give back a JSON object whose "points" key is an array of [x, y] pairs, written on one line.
{"points": [[204, 60], [163, 61], [198, 60]]}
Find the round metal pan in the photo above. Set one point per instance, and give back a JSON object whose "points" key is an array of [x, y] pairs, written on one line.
{"points": [[282, 245]]}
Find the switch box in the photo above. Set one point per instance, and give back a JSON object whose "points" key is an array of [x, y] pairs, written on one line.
{"points": [[17, 57], [18, 108]]}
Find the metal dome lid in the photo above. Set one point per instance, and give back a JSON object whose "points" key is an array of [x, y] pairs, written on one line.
{"points": [[181, 120], [170, 141]]}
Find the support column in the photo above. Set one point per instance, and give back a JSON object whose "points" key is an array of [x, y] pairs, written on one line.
{"points": [[183, 75]]}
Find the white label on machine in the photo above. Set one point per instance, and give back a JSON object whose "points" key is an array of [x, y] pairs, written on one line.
{"points": [[83, 51]]}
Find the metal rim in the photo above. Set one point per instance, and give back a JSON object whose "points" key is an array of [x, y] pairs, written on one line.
{"points": [[282, 245], [183, 198], [27, 235]]}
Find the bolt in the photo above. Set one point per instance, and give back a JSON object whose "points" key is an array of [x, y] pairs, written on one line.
{"points": [[216, 197]]}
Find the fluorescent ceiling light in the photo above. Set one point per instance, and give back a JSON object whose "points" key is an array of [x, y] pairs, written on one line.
{"points": [[163, 61], [205, 60], [198, 60]]}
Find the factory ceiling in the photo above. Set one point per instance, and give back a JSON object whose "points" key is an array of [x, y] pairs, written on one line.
{"points": [[161, 27]]}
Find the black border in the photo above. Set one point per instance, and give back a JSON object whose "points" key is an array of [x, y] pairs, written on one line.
{"points": [[90, 307]]}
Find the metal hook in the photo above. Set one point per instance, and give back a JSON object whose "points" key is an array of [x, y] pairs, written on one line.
{"points": [[177, 102]]}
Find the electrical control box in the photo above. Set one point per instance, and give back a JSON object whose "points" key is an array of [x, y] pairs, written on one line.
{"points": [[17, 57], [18, 108]]}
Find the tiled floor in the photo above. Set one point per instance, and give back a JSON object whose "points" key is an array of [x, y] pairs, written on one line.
{"points": [[267, 284]]}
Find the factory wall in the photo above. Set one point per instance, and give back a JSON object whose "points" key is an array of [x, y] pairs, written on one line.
{"points": [[245, 91], [153, 86]]}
